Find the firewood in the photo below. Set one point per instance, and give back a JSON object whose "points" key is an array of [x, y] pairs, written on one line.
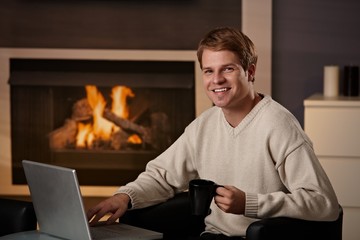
{"points": [[81, 110], [119, 139], [127, 125], [157, 135], [64, 136]]}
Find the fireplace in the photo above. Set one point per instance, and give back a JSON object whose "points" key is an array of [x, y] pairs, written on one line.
{"points": [[46, 86]]}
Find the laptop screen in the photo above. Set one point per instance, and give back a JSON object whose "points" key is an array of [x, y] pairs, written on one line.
{"points": [[58, 204]]}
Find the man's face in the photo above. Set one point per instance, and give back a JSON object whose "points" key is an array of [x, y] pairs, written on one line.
{"points": [[225, 81]]}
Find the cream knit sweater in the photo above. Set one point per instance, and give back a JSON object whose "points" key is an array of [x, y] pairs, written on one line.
{"points": [[267, 155]]}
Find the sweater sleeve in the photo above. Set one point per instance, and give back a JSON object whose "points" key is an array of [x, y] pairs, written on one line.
{"points": [[310, 196], [164, 176]]}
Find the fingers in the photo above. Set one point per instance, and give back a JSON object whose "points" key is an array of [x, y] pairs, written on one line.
{"points": [[94, 215], [91, 212], [115, 205], [115, 216], [230, 200], [223, 198]]}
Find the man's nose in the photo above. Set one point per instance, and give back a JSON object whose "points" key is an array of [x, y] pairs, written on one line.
{"points": [[218, 78]]}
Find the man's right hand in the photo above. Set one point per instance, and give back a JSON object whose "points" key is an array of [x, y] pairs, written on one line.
{"points": [[116, 206]]}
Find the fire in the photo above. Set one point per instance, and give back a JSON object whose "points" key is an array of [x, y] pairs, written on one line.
{"points": [[101, 129], [84, 133], [119, 95], [135, 139]]}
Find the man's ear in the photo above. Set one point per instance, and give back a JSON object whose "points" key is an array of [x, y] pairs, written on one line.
{"points": [[251, 71]]}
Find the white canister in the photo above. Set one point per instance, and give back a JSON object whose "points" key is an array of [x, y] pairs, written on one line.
{"points": [[331, 81]]}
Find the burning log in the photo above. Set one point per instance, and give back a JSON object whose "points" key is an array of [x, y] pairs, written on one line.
{"points": [[82, 110], [64, 136], [119, 139], [157, 135], [128, 125]]}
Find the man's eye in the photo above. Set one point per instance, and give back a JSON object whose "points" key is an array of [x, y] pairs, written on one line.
{"points": [[228, 69], [207, 71]]}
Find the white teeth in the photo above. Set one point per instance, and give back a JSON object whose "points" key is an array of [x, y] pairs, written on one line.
{"points": [[220, 90]]}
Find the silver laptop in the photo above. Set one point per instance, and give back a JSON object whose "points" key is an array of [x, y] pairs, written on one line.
{"points": [[59, 209]]}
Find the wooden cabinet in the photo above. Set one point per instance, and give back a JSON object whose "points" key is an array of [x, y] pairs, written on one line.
{"points": [[333, 124]]}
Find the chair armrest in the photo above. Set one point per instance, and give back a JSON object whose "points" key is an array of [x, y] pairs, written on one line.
{"points": [[16, 216], [173, 218], [283, 228]]}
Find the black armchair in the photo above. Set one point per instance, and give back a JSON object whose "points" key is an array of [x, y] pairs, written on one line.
{"points": [[16, 216], [173, 218]]}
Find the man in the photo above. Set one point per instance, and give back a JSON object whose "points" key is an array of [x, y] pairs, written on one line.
{"points": [[247, 142]]}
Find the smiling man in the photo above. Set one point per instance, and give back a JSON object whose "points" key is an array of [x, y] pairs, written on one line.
{"points": [[247, 142], [228, 84]]}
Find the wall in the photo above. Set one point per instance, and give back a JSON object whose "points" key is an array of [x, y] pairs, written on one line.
{"points": [[114, 24], [306, 36], [139, 24]]}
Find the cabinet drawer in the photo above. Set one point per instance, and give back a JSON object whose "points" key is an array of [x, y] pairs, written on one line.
{"points": [[335, 131]]}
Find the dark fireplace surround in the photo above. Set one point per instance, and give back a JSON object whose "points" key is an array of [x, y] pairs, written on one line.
{"points": [[44, 90]]}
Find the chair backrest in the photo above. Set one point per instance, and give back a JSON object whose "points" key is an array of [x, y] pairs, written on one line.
{"points": [[16, 216], [282, 228]]}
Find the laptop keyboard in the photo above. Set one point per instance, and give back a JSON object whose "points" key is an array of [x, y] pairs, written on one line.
{"points": [[107, 232]]}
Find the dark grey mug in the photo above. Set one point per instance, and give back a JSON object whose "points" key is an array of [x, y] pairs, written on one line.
{"points": [[201, 193]]}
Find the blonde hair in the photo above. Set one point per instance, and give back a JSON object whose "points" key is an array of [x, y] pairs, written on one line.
{"points": [[231, 39]]}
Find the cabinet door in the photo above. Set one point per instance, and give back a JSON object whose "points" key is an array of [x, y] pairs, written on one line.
{"points": [[335, 131]]}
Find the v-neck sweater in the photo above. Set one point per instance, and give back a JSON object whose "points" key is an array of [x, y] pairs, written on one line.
{"points": [[268, 156]]}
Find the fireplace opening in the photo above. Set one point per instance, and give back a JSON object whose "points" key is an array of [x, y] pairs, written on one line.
{"points": [[50, 99]]}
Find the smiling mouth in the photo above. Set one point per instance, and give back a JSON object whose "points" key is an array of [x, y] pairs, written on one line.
{"points": [[221, 90]]}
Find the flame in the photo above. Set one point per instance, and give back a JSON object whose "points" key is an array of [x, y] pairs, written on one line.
{"points": [[119, 96], [101, 128], [134, 139], [83, 133]]}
